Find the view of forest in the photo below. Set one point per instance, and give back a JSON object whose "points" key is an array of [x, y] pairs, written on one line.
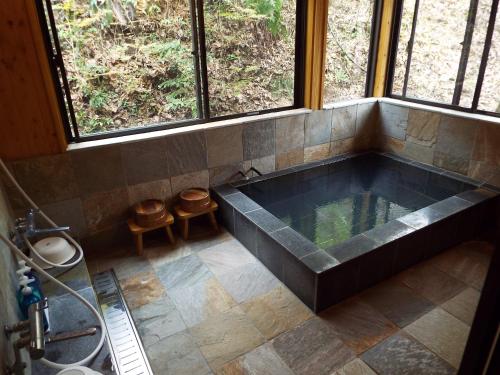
{"points": [[130, 62]]}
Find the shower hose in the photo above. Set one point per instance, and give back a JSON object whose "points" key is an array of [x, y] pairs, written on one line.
{"points": [[37, 268]]}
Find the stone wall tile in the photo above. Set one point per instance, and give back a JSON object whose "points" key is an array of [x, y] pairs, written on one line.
{"points": [[259, 139], [186, 153], [145, 161], [318, 152], [290, 158], [344, 122], [487, 144], [419, 152], [423, 127], [224, 174], [264, 165], [342, 147], [47, 179], [393, 120], [367, 115], [393, 145], [224, 146], [68, 213], [318, 127], [160, 189], [98, 169], [456, 137], [289, 133], [451, 162], [189, 180], [484, 172], [106, 209]]}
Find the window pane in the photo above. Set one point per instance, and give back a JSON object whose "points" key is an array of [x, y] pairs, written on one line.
{"points": [[128, 62], [476, 52], [436, 51], [348, 48], [490, 92], [250, 54], [404, 39]]}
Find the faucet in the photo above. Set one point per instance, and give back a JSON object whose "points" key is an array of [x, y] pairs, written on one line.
{"points": [[253, 169], [26, 227], [245, 174], [31, 337]]}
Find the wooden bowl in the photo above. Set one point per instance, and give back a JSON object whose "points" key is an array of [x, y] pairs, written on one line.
{"points": [[194, 200], [149, 213]]}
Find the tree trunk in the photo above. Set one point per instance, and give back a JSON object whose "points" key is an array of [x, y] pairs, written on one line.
{"points": [[117, 9]]}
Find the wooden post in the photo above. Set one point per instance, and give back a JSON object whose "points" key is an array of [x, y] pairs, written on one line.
{"points": [[316, 28], [383, 48], [31, 122]]}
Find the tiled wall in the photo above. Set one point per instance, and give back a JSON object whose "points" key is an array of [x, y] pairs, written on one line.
{"points": [[92, 189], [467, 146], [9, 312]]}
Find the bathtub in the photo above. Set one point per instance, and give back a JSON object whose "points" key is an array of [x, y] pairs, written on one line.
{"points": [[330, 229]]}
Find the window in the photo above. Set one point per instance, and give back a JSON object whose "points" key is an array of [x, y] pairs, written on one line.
{"points": [[351, 32], [250, 55], [138, 65], [446, 53]]}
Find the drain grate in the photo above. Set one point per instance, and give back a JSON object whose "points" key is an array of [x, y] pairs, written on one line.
{"points": [[128, 352]]}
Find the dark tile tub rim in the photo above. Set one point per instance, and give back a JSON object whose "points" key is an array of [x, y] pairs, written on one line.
{"points": [[320, 261]]}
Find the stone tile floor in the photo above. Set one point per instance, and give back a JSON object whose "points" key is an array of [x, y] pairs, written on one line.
{"points": [[208, 306]]}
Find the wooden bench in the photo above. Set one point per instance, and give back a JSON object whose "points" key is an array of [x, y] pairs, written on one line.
{"points": [[184, 216], [138, 231]]}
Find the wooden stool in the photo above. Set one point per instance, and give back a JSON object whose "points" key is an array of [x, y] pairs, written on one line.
{"points": [[137, 231], [184, 216]]}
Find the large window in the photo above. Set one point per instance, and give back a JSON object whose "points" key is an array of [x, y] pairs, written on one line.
{"points": [[447, 53], [138, 65], [351, 33]]}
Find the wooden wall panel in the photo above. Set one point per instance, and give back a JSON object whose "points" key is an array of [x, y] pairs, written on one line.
{"points": [[383, 48], [30, 122], [317, 19]]}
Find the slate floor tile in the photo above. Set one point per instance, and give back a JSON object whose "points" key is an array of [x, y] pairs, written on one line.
{"points": [[201, 301], [141, 289], [355, 367], [125, 264], [357, 324], [160, 253], [248, 281], [183, 273], [202, 237], [397, 302], [276, 312], [463, 306], [442, 333], [400, 355], [261, 361], [177, 355], [467, 262], [226, 336], [430, 282], [157, 320], [312, 348], [225, 257]]}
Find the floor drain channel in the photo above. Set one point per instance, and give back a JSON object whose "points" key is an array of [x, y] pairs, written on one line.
{"points": [[128, 352]]}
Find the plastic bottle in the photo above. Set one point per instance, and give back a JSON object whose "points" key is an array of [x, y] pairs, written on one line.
{"points": [[29, 294], [25, 270]]}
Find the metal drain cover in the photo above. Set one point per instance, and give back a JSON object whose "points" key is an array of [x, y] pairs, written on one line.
{"points": [[126, 346]]}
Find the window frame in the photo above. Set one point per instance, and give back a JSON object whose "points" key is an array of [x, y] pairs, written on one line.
{"points": [[49, 33], [371, 64], [394, 42]]}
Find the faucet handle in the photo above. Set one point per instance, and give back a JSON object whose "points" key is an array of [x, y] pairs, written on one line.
{"points": [[20, 221]]}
